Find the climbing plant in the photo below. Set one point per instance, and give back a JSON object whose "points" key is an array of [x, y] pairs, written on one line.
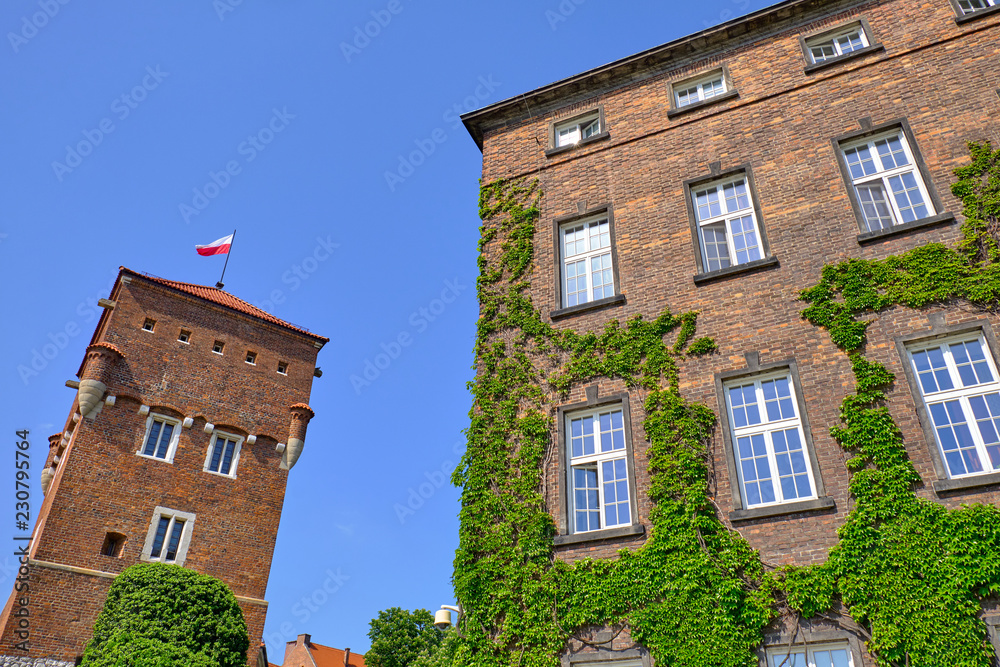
{"points": [[695, 593]]}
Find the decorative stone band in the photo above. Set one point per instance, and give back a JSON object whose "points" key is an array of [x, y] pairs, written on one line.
{"points": [[19, 661], [301, 414], [99, 362], [111, 575]]}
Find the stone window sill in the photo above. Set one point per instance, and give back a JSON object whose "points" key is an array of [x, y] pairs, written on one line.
{"points": [[551, 152], [732, 94], [815, 67], [702, 278], [965, 483], [598, 535], [615, 300], [977, 15], [880, 234], [823, 503]]}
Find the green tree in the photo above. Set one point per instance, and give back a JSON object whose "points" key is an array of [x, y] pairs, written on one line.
{"points": [[441, 656], [159, 615], [399, 637]]}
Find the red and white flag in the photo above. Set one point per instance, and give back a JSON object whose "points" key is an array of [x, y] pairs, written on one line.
{"points": [[220, 247]]}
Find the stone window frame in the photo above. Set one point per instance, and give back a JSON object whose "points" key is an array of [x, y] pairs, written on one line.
{"points": [[869, 36], [727, 79], [593, 401], [992, 621], [809, 638], [584, 213], [740, 513], [175, 437], [236, 453], [716, 173], [961, 17], [185, 542], [632, 657], [944, 484], [552, 147], [869, 130]]}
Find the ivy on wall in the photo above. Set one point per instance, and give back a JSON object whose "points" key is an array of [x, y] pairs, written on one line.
{"points": [[696, 594]]}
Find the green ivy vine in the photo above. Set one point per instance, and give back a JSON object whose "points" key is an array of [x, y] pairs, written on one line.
{"points": [[696, 594]]}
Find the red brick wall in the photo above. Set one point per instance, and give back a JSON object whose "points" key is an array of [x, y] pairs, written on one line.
{"points": [[102, 485], [940, 76]]}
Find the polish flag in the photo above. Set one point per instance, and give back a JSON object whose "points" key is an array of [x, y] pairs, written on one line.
{"points": [[220, 247]]}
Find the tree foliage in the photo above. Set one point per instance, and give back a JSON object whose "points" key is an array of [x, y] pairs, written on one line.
{"points": [[159, 615], [399, 637]]}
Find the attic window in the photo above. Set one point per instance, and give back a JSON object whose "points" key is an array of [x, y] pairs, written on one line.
{"points": [[217, 347], [283, 367], [251, 358], [184, 337], [149, 325]]}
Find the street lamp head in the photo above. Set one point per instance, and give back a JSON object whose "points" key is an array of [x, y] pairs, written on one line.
{"points": [[442, 619]]}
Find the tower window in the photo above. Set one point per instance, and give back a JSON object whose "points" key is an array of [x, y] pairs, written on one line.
{"points": [[149, 325], [185, 336], [113, 545], [160, 439], [223, 454], [169, 536], [251, 358], [283, 367], [217, 347]]}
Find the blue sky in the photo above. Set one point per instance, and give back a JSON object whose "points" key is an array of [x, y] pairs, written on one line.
{"points": [[278, 119]]}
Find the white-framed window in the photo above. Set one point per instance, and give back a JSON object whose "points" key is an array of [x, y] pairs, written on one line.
{"points": [[218, 346], [283, 368], [768, 440], [223, 454], [161, 437], [251, 358], [149, 325], [884, 175], [958, 380], [970, 6], [600, 489], [727, 223], [169, 536], [184, 337], [588, 271], [698, 90], [840, 43], [576, 130], [820, 655]]}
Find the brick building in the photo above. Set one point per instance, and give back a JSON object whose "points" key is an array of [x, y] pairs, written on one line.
{"points": [[720, 173], [191, 408], [303, 652]]}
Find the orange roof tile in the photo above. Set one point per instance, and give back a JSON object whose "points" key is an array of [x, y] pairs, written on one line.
{"points": [[334, 657], [222, 298]]}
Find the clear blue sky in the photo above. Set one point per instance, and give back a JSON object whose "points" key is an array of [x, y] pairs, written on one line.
{"points": [[199, 78]]}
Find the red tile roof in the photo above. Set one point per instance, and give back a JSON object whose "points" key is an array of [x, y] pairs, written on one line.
{"points": [[334, 657], [222, 298]]}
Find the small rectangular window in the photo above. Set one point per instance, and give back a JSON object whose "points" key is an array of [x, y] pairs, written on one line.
{"points": [[888, 186], [958, 380], [727, 223], [223, 454], [831, 655], [169, 536], [971, 6], [840, 43], [600, 488], [160, 439], [251, 358], [769, 441], [184, 336], [587, 263], [149, 325], [283, 367], [217, 347], [113, 545], [576, 130], [702, 89]]}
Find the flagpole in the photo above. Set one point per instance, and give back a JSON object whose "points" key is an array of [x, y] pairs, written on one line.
{"points": [[231, 242]]}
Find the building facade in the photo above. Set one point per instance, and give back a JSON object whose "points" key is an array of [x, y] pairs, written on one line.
{"points": [[720, 174], [190, 409]]}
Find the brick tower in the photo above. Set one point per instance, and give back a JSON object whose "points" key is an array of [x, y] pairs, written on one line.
{"points": [[191, 408]]}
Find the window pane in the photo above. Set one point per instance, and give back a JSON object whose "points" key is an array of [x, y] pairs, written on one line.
{"points": [[600, 235], [592, 128], [576, 283], [154, 435], [713, 239], [972, 366], [789, 660], [891, 152], [986, 410], [756, 471], [744, 239], [587, 508], [790, 457], [175, 540], [569, 135], [686, 97], [712, 88], [616, 497], [860, 161], [874, 206], [737, 198], [227, 459], [612, 431], [744, 402], [216, 456], [161, 451], [161, 533], [908, 197], [956, 439], [602, 276], [823, 52], [708, 204], [932, 370], [778, 399], [851, 42]]}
